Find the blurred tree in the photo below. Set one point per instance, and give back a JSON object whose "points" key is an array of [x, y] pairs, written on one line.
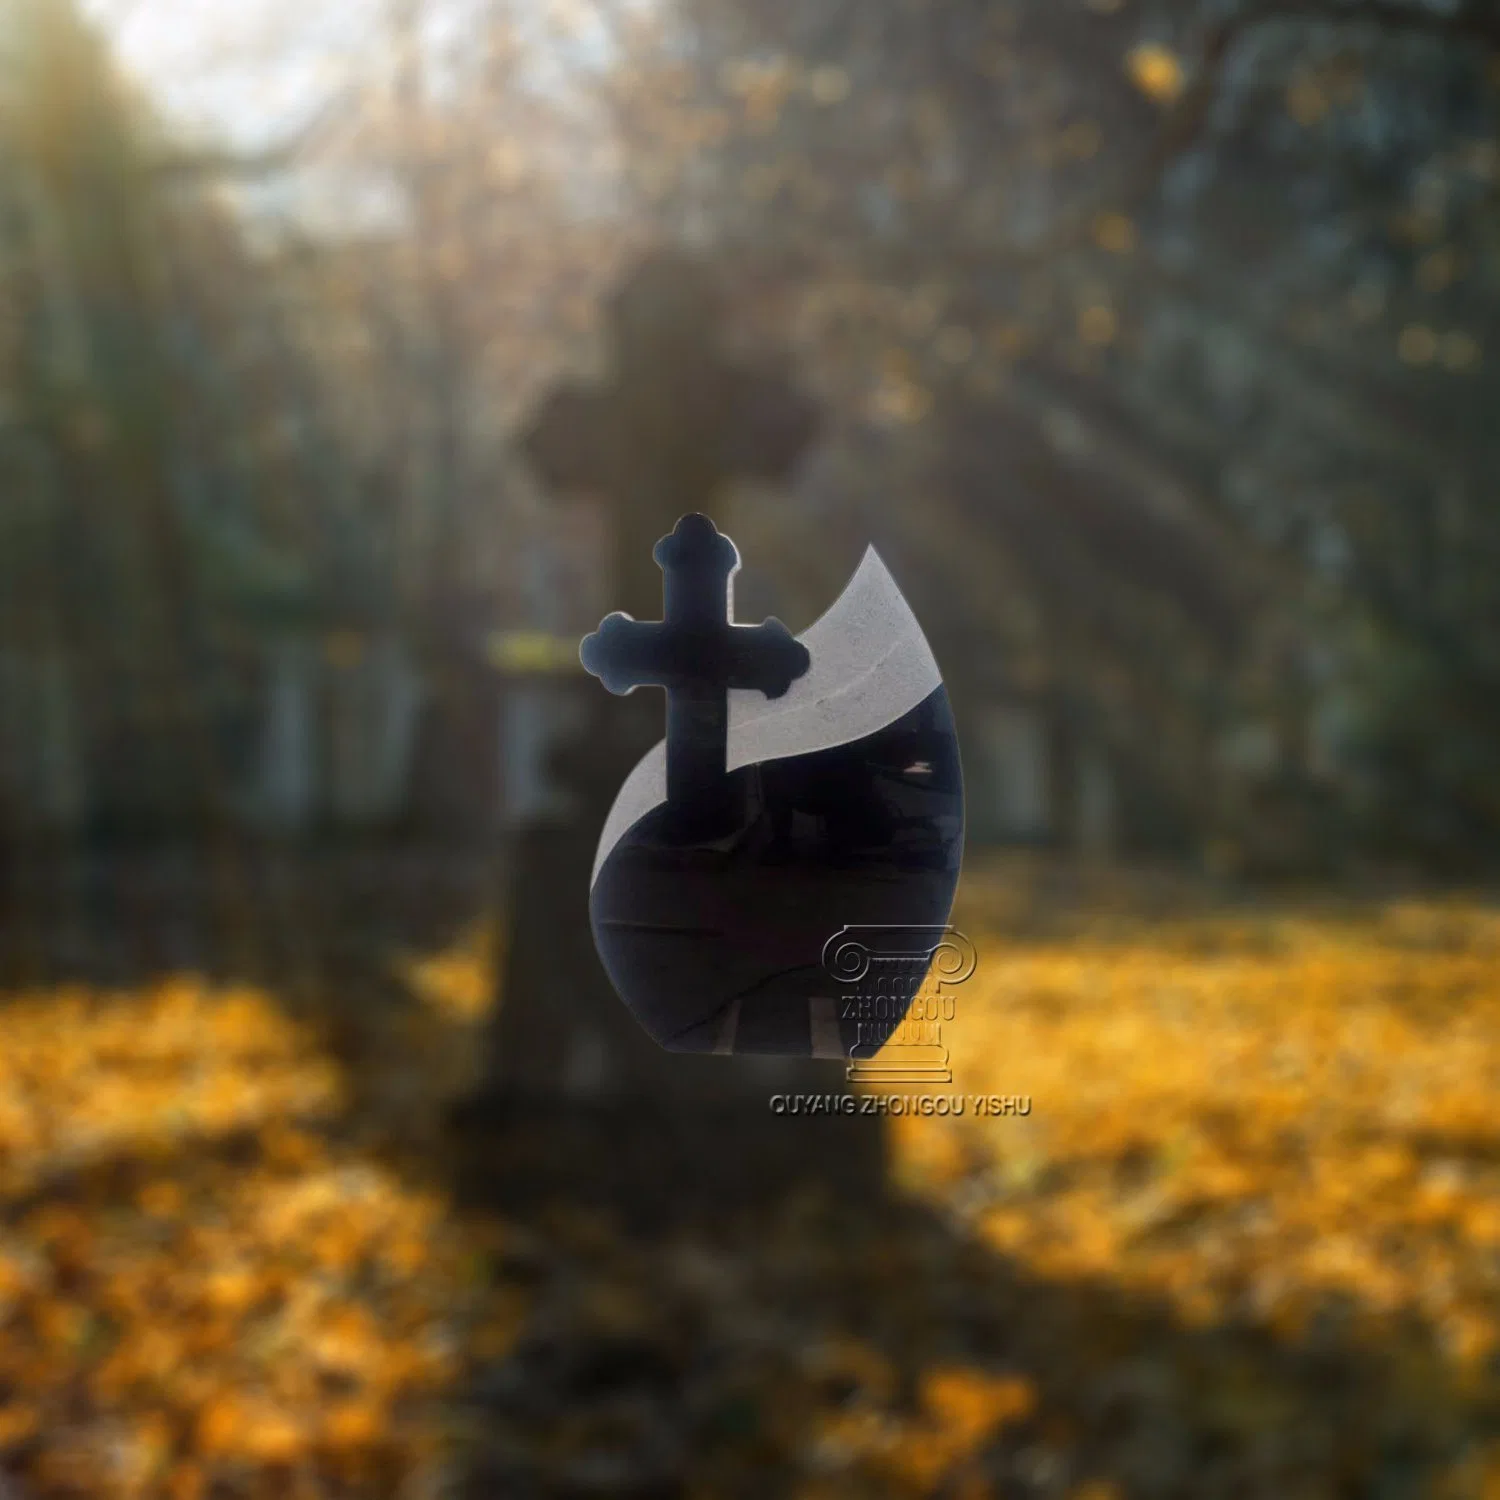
{"points": [[1155, 337], [1181, 311], [170, 489]]}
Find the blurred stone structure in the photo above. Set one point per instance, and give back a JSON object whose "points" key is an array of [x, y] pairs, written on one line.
{"points": [[674, 423], [43, 780]]}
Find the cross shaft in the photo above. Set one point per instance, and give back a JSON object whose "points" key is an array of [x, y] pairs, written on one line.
{"points": [[697, 653]]}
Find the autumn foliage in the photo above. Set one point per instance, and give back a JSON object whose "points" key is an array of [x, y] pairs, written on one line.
{"points": [[1247, 1234]]}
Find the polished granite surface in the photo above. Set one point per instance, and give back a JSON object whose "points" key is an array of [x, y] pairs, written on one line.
{"points": [[717, 944]]}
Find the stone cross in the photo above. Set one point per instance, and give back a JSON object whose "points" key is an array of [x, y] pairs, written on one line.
{"points": [[697, 653], [676, 419]]}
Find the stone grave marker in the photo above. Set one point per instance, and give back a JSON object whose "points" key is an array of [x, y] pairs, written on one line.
{"points": [[675, 421]]}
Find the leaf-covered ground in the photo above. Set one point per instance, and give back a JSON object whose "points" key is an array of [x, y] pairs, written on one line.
{"points": [[1245, 1243]]}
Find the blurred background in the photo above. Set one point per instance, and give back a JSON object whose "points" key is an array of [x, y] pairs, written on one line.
{"points": [[1152, 342]]}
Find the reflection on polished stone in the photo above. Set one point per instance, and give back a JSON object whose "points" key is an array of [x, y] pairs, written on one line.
{"points": [[714, 935]]}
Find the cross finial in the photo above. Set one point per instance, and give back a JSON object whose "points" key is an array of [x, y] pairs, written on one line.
{"points": [[697, 653]]}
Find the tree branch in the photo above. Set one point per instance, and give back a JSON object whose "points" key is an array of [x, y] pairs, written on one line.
{"points": [[213, 162], [1181, 129]]}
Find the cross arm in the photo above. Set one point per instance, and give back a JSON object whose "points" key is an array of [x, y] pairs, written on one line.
{"points": [[765, 658], [573, 440], [625, 654]]}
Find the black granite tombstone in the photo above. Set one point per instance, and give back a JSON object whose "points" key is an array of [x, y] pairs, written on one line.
{"points": [[712, 910]]}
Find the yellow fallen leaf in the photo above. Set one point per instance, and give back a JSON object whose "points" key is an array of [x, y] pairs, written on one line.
{"points": [[1156, 71], [972, 1402], [17, 1424]]}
